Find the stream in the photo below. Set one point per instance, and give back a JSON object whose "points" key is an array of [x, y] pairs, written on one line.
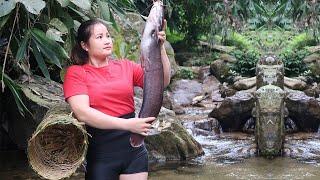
{"points": [[227, 156]]}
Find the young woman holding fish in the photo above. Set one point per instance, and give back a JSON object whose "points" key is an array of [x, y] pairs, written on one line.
{"points": [[100, 93]]}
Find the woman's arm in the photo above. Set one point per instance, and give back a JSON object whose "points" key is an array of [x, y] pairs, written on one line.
{"points": [[92, 117], [166, 66], [164, 56]]}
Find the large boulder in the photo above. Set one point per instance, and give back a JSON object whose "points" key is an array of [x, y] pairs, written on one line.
{"points": [[295, 84], [221, 69], [304, 111], [210, 83], [234, 111], [172, 142], [313, 63], [185, 90], [244, 83], [269, 113]]}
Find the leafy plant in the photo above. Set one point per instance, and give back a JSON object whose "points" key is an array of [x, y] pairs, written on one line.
{"points": [[246, 62], [185, 73], [293, 61]]}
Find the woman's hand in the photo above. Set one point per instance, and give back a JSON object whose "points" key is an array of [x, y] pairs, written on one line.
{"points": [[162, 34], [139, 125]]}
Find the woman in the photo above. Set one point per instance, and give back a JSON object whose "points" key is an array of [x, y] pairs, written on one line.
{"points": [[100, 93]]}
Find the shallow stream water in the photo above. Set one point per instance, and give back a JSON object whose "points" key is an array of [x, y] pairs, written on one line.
{"points": [[227, 156]]}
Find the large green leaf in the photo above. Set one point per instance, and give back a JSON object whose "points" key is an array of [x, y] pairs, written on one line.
{"points": [[41, 63], [6, 7], [53, 46], [64, 3], [51, 49], [33, 6], [3, 21], [65, 18], [54, 35], [14, 88], [104, 10], [55, 22], [83, 4], [23, 46], [48, 53], [83, 16]]}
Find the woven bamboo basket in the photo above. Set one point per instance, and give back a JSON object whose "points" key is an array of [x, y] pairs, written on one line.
{"points": [[58, 146]]}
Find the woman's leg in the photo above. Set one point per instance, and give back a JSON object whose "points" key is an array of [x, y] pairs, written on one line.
{"points": [[136, 176]]}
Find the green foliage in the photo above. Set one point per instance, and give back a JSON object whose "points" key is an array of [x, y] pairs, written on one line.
{"points": [[41, 33], [238, 40], [121, 49], [185, 73], [293, 61], [189, 18], [302, 40], [246, 61]]}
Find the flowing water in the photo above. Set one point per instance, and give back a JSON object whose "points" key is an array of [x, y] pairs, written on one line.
{"points": [[227, 156]]}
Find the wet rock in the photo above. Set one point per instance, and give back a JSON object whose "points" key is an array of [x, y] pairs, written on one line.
{"points": [[295, 84], [196, 101], [207, 124], [173, 143], [270, 70], [178, 109], [204, 72], [304, 111], [249, 126], [216, 96], [234, 111], [226, 91], [220, 69], [313, 90], [269, 113], [290, 126], [167, 100], [185, 90], [210, 84], [312, 58], [245, 83]]}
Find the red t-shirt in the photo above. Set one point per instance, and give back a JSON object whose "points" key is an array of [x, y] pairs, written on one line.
{"points": [[110, 88]]}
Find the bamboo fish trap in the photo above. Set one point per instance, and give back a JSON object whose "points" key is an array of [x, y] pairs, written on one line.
{"points": [[58, 146]]}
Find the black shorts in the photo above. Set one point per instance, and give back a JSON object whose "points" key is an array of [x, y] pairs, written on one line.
{"points": [[110, 154]]}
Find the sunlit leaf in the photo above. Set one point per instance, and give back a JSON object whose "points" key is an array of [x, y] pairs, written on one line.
{"points": [[59, 25], [3, 21], [22, 48], [41, 63], [83, 4], [104, 9], [63, 3], [6, 7], [33, 6], [54, 35]]}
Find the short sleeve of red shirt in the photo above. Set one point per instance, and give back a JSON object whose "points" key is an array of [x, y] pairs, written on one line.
{"points": [[137, 74], [74, 82]]}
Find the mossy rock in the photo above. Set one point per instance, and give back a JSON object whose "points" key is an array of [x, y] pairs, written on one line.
{"points": [[173, 143]]}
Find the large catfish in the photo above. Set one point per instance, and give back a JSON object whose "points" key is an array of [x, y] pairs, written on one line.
{"points": [[153, 70]]}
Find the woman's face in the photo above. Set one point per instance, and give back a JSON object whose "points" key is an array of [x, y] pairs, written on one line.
{"points": [[99, 44]]}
